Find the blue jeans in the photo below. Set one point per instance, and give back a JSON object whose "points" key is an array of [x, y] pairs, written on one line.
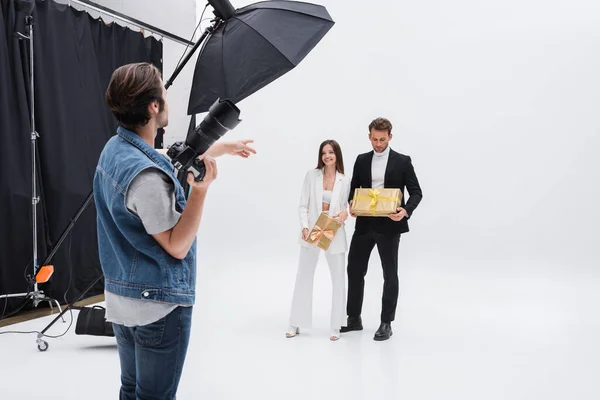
{"points": [[152, 356]]}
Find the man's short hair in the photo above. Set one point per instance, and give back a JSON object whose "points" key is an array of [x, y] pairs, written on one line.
{"points": [[132, 87], [381, 124]]}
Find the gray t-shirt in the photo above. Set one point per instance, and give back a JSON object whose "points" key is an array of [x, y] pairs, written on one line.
{"points": [[150, 196]]}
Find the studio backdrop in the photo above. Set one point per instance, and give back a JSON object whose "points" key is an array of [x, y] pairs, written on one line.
{"points": [[74, 57]]}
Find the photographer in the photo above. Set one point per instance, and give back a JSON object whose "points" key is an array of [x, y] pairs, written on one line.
{"points": [[147, 235]]}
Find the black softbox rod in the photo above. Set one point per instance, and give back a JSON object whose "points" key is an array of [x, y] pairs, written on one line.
{"points": [[189, 55], [69, 227], [223, 10]]}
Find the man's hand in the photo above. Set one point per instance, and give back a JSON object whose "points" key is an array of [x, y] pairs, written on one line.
{"points": [[351, 214], [239, 148], [401, 213], [209, 176], [304, 234]]}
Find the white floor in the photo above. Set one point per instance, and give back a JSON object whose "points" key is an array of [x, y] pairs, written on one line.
{"points": [[487, 331]]}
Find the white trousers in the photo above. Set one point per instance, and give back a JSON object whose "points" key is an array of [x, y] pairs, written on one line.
{"points": [[301, 313]]}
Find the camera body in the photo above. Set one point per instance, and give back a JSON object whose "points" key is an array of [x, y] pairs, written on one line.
{"points": [[222, 116], [185, 159]]}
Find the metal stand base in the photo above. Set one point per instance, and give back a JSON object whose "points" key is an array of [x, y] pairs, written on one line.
{"points": [[36, 296]]}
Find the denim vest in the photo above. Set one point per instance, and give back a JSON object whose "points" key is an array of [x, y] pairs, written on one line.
{"points": [[133, 262]]}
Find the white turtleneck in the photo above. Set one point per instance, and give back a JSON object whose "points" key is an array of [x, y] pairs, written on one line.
{"points": [[378, 167]]}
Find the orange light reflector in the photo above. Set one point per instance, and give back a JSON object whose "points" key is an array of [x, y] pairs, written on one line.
{"points": [[44, 274]]}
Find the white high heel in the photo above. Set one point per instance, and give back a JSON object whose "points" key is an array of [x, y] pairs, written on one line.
{"points": [[335, 335], [292, 331]]}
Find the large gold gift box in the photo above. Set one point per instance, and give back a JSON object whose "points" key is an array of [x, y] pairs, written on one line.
{"points": [[323, 232], [376, 202]]}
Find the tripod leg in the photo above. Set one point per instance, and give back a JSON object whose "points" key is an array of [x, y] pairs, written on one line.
{"points": [[59, 309], [50, 301]]}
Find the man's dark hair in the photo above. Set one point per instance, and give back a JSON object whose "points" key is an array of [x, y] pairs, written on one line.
{"points": [[381, 124], [132, 87]]}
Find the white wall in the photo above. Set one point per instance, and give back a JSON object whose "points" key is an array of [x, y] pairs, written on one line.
{"points": [[496, 103]]}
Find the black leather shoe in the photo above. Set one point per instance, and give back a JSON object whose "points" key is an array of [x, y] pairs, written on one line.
{"points": [[384, 332], [354, 324]]}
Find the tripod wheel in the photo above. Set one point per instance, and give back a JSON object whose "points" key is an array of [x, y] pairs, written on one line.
{"points": [[43, 345]]}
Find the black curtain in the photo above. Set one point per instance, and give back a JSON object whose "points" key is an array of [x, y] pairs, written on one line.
{"points": [[74, 57]]}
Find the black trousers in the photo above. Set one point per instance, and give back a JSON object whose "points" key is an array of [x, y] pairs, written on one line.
{"points": [[361, 246]]}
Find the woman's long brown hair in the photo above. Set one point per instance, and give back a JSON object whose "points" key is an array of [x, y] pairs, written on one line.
{"points": [[339, 160]]}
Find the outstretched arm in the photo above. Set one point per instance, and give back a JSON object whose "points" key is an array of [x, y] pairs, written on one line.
{"points": [[218, 149], [239, 148]]}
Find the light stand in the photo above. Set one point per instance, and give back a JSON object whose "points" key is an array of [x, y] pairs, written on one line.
{"points": [[36, 295]]}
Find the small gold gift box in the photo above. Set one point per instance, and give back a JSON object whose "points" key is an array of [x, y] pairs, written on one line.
{"points": [[323, 232], [376, 202]]}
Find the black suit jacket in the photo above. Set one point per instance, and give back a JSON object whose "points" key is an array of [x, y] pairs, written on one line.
{"points": [[399, 174]]}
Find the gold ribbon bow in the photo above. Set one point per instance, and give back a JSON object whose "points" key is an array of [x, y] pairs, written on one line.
{"points": [[374, 195]]}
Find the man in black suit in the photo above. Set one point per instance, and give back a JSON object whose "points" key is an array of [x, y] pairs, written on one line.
{"points": [[380, 168]]}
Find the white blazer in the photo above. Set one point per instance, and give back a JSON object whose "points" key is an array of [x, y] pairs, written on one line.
{"points": [[311, 206]]}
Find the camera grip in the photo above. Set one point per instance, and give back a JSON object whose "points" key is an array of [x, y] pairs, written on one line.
{"points": [[198, 168]]}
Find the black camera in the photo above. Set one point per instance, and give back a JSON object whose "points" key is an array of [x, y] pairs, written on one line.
{"points": [[222, 116]]}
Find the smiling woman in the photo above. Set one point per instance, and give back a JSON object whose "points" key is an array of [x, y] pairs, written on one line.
{"points": [[325, 191]]}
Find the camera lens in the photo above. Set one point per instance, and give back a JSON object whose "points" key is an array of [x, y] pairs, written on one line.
{"points": [[222, 116]]}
